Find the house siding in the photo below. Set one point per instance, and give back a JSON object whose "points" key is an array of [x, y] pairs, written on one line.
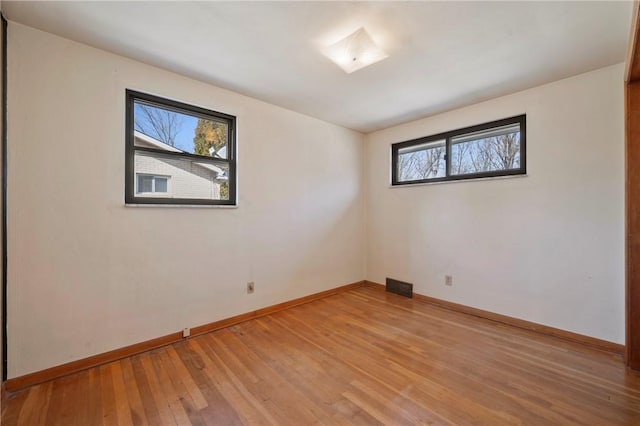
{"points": [[186, 178]]}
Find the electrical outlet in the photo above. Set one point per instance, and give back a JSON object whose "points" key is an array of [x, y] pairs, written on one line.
{"points": [[186, 332], [250, 287], [448, 280]]}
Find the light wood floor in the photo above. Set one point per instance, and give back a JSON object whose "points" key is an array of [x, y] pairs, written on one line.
{"points": [[361, 357]]}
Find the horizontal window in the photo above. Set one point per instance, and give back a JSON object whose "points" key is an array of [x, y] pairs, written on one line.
{"points": [[178, 153], [486, 150]]}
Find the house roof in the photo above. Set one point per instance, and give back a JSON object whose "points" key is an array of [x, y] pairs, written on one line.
{"points": [[154, 142], [166, 147]]}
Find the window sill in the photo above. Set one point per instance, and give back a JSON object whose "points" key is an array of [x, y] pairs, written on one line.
{"points": [[180, 206], [446, 182]]}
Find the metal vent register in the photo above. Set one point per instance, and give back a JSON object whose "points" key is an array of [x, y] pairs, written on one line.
{"points": [[399, 287]]}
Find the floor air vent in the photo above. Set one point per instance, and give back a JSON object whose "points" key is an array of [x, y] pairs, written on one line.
{"points": [[399, 287]]}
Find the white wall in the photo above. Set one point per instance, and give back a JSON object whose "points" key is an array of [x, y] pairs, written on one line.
{"points": [[548, 247], [87, 275]]}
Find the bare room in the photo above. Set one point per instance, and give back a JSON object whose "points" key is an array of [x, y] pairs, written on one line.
{"points": [[295, 213]]}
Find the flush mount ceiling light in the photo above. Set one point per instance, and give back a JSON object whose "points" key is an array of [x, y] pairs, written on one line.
{"points": [[355, 51]]}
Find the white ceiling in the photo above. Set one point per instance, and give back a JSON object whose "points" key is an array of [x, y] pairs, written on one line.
{"points": [[442, 55]]}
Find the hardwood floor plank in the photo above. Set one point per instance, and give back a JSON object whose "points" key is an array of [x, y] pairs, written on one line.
{"points": [[178, 391], [138, 415], [211, 381], [36, 405], [75, 410], [54, 410], [152, 414], [109, 411], [362, 357], [181, 371], [169, 392], [94, 396], [163, 404], [371, 411], [14, 403], [123, 409]]}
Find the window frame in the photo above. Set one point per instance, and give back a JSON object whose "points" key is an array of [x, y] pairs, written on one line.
{"points": [[131, 197], [447, 136]]}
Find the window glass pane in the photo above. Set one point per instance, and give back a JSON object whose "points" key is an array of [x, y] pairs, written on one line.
{"points": [[190, 177], [162, 128], [161, 184], [145, 183], [424, 161], [485, 151]]}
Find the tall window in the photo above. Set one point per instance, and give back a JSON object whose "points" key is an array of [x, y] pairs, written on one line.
{"points": [[178, 153], [486, 150]]}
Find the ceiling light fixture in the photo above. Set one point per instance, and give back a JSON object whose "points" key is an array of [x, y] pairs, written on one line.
{"points": [[355, 51]]}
